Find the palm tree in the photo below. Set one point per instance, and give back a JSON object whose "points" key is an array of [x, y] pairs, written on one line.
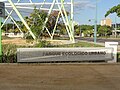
{"points": [[115, 9]]}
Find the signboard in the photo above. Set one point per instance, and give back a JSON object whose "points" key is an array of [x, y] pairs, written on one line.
{"points": [[63, 54], [2, 9]]}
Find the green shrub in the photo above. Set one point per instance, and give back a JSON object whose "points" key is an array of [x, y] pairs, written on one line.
{"points": [[9, 53]]}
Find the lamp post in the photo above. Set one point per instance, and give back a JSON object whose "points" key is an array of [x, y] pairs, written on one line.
{"points": [[95, 23], [95, 26]]}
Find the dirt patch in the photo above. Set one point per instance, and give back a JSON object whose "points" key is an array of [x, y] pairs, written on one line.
{"points": [[20, 41], [59, 42], [16, 41], [59, 77]]}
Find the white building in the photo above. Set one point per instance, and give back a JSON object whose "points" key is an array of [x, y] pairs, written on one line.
{"points": [[107, 22]]}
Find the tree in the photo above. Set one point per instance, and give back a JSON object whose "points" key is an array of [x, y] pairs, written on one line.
{"points": [[118, 28], [104, 30], [35, 21], [77, 29], [8, 27], [37, 18], [115, 9], [62, 28], [87, 30], [52, 21]]}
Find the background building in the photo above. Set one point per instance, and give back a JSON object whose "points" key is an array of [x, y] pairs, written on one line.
{"points": [[117, 25], [107, 22]]}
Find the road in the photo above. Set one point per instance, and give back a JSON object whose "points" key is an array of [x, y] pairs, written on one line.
{"points": [[59, 77], [99, 40]]}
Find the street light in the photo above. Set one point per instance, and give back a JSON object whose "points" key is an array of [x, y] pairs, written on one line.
{"points": [[95, 23], [95, 26]]}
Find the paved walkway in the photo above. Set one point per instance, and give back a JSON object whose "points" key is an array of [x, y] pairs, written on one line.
{"points": [[59, 76]]}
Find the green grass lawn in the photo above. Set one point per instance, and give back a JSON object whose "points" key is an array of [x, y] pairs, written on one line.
{"points": [[80, 44]]}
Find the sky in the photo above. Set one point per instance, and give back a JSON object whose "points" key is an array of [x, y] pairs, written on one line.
{"points": [[102, 7], [85, 10]]}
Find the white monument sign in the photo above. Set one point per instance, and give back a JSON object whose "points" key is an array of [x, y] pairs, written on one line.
{"points": [[64, 54]]}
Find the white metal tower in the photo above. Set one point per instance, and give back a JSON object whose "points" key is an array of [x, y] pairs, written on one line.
{"points": [[30, 4]]}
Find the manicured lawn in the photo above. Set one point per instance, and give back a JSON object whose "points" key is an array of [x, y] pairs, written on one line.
{"points": [[81, 44]]}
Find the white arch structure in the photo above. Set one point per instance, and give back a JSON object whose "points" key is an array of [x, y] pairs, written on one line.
{"points": [[30, 5]]}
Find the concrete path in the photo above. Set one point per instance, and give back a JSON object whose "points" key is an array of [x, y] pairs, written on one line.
{"points": [[59, 76]]}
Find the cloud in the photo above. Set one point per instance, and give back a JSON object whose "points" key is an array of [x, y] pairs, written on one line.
{"points": [[79, 6], [84, 4]]}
